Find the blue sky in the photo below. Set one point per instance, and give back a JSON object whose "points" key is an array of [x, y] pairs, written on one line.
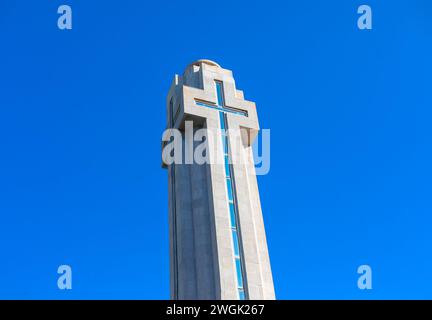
{"points": [[81, 117]]}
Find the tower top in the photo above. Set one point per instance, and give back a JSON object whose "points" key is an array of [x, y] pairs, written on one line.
{"points": [[206, 61]]}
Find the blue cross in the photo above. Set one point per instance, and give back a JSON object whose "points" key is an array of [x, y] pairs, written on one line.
{"points": [[229, 177], [220, 105]]}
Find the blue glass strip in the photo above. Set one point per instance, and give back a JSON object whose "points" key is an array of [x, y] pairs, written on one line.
{"points": [[224, 139], [232, 215], [222, 123], [239, 273], [229, 187], [225, 144], [227, 168], [242, 295], [236, 243], [219, 93], [224, 109], [235, 111], [207, 105]]}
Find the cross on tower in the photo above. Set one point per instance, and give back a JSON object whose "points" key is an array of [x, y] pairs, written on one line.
{"points": [[220, 105], [230, 185]]}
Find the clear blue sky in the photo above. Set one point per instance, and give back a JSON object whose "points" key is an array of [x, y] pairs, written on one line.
{"points": [[82, 112]]}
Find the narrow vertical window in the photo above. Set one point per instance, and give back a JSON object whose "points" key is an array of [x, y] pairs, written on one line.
{"points": [[219, 93]]}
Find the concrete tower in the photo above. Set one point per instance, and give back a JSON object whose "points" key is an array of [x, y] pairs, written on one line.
{"points": [[218, 246]]}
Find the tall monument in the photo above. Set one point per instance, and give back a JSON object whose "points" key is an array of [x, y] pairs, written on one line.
{"points": [[218, 247]]}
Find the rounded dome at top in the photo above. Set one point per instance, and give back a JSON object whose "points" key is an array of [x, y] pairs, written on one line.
{"points": [[206, 61]]}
